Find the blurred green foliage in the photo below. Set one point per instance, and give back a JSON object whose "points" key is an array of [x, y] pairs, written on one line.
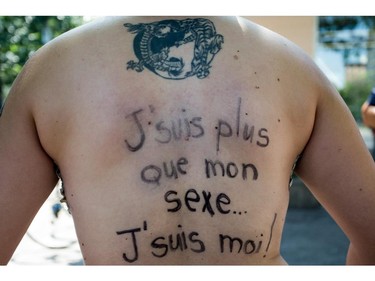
{"points": [[355, 93], [21, 36]]}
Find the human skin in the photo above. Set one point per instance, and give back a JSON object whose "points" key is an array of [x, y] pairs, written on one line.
{"points": [[177, 166]]}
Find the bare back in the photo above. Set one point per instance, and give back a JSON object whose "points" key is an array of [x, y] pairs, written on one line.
{"points": [[175, 138]]}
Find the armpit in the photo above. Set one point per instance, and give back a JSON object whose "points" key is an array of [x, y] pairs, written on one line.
{"points": [[62, 190]]}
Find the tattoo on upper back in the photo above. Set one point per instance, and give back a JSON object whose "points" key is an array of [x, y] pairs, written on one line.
{"points": [[175, 49]]}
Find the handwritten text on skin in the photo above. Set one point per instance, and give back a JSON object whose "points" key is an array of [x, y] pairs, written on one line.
{"points": [[195, 199]]}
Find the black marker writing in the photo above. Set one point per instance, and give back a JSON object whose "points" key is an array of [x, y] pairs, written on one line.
{"points": [[272, 225], [164, 131], [179, 129], [238, 116], [227, 132], [231, 170], [236, 244], [191, 201], [134, 242], [196, 122], [184, 127], [152, 173], [224, 130], [142, 136], [179, 241], [263, 135]]}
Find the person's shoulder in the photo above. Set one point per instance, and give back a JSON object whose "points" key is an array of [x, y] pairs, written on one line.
{"points": [[62, 51], [284, 54], [271, 45], [72, 40]]}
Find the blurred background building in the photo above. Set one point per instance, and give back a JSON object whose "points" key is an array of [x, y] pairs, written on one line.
{"points": [[342, 46]]}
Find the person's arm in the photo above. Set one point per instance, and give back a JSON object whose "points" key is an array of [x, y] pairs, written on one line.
{"points": [[338, 169], [368, 114], [26, 172]]}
